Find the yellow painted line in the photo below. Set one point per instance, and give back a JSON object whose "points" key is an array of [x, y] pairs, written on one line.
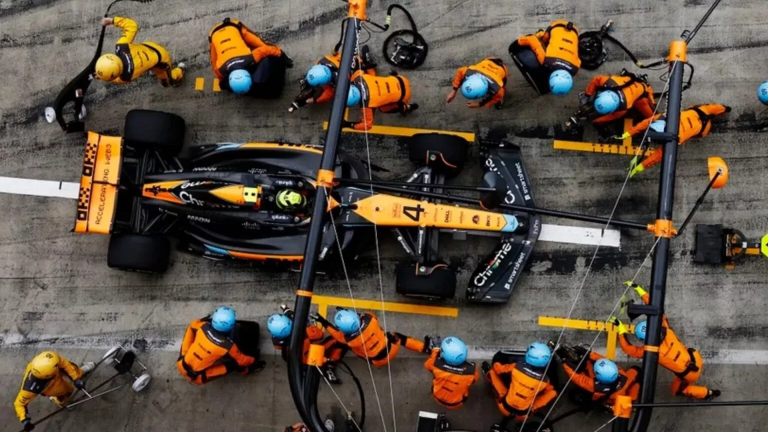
{"points": [[610, 348], [322, 310], [216, 86], [199, 83], [597, 148], [324, 301], [590, 325], [407, 132]]}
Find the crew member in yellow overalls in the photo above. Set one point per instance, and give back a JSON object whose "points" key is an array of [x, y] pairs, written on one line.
{"points": [[131, 60]]}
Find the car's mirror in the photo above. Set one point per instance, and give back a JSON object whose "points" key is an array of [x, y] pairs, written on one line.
{"points": [[494, 190]]}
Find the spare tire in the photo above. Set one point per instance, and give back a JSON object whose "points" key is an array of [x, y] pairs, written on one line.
{"points": [[154, 130], [445, 154], [140, 253], [439, 282]]}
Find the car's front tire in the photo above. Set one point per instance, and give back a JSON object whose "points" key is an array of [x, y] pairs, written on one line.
{"points": [[445, 154], [437, 281]]}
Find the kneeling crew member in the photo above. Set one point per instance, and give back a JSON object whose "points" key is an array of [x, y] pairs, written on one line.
{"points": [[318, 85], [529, 389], [453, 374], [557, 48], [44, 375], [235, 52], [208, 352], [485, 80], [617, 94], [389, 94], [696, 121], [685, 363], [131, 60], [280, 327], [365, 337], [604, 380]]}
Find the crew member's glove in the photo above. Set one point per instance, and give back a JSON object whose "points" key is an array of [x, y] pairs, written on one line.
{"points": [[256, 366], [79, 384], [623, 136], [638, 289], [636, 170], [622, 328], [583, 98], [324, 322], [347, 124], [28, 426]]}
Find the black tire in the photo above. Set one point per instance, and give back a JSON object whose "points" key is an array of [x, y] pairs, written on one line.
{"points": [[446, 154], [140, 253], [154, 130], [439, 284]]}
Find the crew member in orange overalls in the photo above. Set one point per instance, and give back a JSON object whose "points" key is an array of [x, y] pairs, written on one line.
{"points": [[280, 327], [615, 95], [485, 80], [319, 84], [45, 375], [235, 52], [454, 375], [685, 363], [604, 380], [529, 389], [557, 48], [696, 121], [365, 337], [208, 351], [131, 60], [389, 94]]}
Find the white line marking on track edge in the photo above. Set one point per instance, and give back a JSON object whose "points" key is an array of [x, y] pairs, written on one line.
{"points": [[549, 233]]}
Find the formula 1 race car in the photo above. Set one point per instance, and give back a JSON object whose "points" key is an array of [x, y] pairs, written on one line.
{"points": [[251, 201]]}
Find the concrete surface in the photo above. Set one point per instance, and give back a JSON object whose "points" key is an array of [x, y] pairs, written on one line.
{"points": [[56, 285]]}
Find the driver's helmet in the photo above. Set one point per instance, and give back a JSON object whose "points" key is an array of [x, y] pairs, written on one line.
{"points": [[288, 199]]}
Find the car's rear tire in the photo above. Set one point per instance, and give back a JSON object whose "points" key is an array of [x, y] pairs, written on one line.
{"points": [[140, 253], [154, 130], [445, 154], [439, 283]]}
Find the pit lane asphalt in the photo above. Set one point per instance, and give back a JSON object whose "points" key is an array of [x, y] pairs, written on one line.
{"points": [[55, 283]]}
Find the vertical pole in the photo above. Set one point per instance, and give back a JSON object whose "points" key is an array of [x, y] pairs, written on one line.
{"points": [[657, 292], [315, 234]]}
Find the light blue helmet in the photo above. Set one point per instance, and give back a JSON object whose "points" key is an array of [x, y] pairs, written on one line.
{"points": [[453, 351], [640, 330], [474, 87], [347, 321], [607, 102], [560, 82], [223, 319], [762, 93], [659, 126], [279, 326], [240, 81], [606, 371], [319, 75], [354, 96], [538, 355]]}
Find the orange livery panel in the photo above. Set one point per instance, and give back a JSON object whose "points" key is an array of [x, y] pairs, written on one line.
{"points": [[387, 210], [99, 179]]}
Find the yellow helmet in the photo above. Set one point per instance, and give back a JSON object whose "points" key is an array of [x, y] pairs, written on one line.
{"points": [[108, 67], [45, 365]]}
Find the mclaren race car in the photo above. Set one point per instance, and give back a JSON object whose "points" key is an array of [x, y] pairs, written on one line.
{"points": [[251, 201]]}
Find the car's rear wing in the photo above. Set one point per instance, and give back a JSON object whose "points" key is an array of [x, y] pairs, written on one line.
{"points": [[97, 201]]}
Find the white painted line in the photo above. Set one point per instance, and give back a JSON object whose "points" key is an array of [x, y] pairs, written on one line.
{"points": [[549, 233], [477, 353], [579, 235], [91, 342], [41, 188]]}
